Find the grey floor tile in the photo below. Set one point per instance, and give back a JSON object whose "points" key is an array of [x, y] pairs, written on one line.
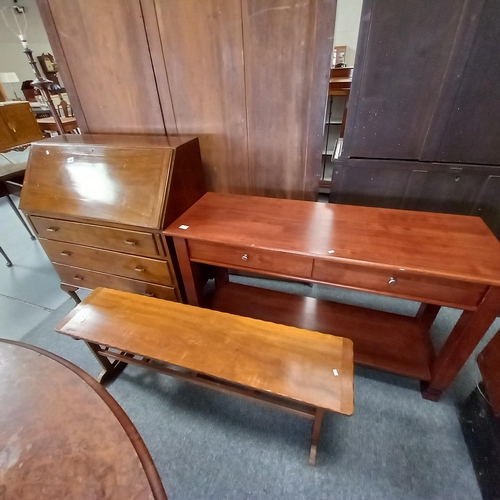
{"points": [[18, 318], [32, 278]]}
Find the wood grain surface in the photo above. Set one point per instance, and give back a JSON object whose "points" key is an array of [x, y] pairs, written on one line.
{"points": [[63, 436], [289, 362], [439, 245], [249, 78], [105, 54]]}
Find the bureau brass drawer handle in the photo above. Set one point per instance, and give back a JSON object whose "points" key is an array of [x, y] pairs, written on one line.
{"points": [[149, 294], [78, 278], [52, 229], [244, 256], [140, 269], [392, 281], [65, 253], [130, 242]]}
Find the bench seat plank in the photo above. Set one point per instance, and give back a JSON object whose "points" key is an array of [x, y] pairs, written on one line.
{"points": [[290, 362]]}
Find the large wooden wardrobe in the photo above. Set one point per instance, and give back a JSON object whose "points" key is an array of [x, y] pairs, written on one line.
{"points": [[248, 77], [423, 124]]}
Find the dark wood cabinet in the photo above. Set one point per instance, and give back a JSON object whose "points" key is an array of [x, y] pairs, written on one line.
{"points": [[98, 204], [422, 127], [426, 82]]}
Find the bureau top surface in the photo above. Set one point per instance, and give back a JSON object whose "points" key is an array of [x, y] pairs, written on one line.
{"points": [[306, 366], [445, 245], [119, 179], [116, 141]]}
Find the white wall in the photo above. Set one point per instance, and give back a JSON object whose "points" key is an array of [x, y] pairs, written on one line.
{"points": [[12, 58], [347, 26]]}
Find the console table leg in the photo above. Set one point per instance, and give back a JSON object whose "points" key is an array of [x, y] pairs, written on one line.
{"points": [[318, 419], [464, 337], [193, 282]]}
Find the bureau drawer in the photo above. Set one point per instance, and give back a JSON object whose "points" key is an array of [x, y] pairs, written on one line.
{"points": [[250, 258], [85, 278], [130, 266], [134, 242], [399, 284]]}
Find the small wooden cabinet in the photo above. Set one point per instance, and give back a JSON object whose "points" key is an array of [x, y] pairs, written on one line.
{"points": [[99, 203], [18, 125]]}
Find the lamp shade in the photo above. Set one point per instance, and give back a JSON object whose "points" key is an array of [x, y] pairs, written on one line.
{"points": [[8, 78]]}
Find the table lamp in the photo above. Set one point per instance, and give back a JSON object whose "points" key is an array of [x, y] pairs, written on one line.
{"points": [[41, 83], [10, 78]]}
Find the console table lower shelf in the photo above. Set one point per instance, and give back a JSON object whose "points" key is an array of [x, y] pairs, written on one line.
{"points": [[391, 342]]}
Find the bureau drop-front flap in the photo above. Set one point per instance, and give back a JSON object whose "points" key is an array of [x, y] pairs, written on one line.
{"points": [[119, 179]]}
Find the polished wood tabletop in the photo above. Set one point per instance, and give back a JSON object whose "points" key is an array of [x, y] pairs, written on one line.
{"points": [[62, 435], [297, 364], [440, 245]]}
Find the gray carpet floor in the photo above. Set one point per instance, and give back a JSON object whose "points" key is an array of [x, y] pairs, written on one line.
{"points": [[208, 445]]}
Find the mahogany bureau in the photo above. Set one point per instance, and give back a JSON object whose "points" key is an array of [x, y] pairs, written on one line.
{"points": [[435, 259], [99, 203]]}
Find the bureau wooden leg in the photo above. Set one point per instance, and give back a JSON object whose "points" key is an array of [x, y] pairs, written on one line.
{"points": [[71, 291], [318, 420], [467, 333], [427, 314]]}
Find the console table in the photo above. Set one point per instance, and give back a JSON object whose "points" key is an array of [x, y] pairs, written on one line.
{"points": [[436, 259]]}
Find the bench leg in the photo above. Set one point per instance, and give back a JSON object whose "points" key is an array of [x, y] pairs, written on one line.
{"points": [[110, 368], [318, 419]]}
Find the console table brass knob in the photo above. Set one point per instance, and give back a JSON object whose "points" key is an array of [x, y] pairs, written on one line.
{"points": [[52, 229], [65, 253], [244, 256], [392, 281], [130, 242]]}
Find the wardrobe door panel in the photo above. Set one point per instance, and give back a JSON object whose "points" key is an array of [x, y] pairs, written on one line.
{"points": [[473, 128], [403, 54], [105, 62]]}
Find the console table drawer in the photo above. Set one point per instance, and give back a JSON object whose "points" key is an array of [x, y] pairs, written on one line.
{"points": [[84, 278], [250, 258], [134, 242], [131, 266], [399, 284]]}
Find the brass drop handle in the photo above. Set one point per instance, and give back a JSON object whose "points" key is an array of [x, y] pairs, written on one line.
{"points": [[65, 253], [140, 269], [52, 229], [392, 281], [130, 242], [78, 278], [244, 256], [149, 294]]}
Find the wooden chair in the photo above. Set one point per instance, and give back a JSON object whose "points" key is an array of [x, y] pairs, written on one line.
{"points": [[64, 109]]}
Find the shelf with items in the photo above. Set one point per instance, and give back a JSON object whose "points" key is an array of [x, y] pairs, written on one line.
{"points": [[336, 111]]}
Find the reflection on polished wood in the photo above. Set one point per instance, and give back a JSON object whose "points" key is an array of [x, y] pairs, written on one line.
{"points": [[441, 245], [436, 259], [98, 204], [62, 435], [279, 359]]}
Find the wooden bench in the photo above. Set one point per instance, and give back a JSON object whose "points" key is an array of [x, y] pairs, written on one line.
{"points": [[298, 370]]}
